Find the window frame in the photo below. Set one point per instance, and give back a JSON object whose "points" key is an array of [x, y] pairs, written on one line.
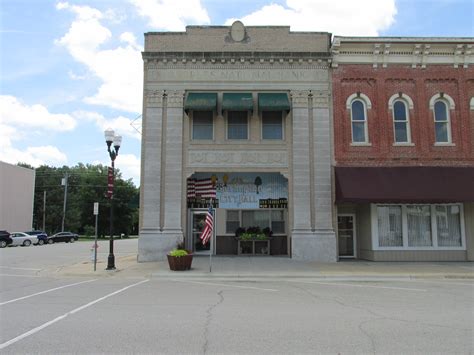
{"points": [[192, 127], [447, 122], [406, 121], [434, 228], [270, 218], [282, 127], [227, 127], [365, 121]]}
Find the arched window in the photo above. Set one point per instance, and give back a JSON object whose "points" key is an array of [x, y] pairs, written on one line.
{"points": [[401, 122], [359, 122], [442, 122]]}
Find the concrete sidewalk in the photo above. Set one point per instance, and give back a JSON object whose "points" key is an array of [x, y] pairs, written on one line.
{"points": [[271, 267]]}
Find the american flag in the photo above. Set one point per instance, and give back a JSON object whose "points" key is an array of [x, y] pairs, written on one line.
{"points": [[201, 188], [208, 228]]}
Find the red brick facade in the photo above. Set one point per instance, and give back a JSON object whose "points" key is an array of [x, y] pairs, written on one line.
{"points": [[420, 84]]}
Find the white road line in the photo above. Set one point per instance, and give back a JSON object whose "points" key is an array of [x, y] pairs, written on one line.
{"points": [[50, 290], [363, 286], [13, 275], [446, 282], [47, 324], [19, 268], [217, 284]]}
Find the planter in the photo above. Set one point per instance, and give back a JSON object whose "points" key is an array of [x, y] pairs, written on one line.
{"points": [[180, 263]]}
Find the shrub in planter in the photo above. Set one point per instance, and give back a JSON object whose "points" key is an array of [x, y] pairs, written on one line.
{"points": [[180, 259]]}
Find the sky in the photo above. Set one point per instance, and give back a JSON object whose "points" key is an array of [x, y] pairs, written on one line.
{"points": [[71, 69]]}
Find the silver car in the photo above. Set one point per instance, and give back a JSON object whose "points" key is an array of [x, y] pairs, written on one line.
{"points": [[20, 238]]}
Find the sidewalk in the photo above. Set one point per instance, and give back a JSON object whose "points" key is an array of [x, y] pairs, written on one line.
{"points": [[272, 267]]}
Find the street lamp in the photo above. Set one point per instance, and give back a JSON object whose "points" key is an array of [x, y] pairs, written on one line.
{"points": [[111, 138]]}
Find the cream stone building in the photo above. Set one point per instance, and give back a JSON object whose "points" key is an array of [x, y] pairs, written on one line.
{"points": [[237, 117]]}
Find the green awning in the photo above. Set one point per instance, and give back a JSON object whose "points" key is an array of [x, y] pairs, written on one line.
{"points": [[201, 101], [237, 101], [273, 102]]}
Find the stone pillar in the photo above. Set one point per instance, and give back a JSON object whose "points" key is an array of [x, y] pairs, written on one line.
{"points": [[312, 236]]}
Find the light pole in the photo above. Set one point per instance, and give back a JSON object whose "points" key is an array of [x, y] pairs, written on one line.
{"points": [[110, 138]]}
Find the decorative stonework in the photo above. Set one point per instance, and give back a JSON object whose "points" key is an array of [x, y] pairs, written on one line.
{"points": [[175, 98], [154, 97], [299, 98], [321, 99], [229, 159]]}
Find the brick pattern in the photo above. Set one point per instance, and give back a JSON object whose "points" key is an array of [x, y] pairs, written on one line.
{"points": [[379, 84]]}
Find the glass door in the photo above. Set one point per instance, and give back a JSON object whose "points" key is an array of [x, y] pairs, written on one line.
{"points": [[198, 219], [346, 236]]}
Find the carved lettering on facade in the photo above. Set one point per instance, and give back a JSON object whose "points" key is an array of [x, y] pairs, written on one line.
{"points": [[207, 158]]}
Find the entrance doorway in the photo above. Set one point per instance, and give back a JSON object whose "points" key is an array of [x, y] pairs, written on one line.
{"points": [[346, 235], [197, 222]]}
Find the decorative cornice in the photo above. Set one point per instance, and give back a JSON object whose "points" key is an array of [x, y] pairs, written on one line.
{"points": [[154, 97], [175, 98]]}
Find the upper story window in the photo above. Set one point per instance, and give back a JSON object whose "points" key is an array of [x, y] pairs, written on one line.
{"points": [[203, 128], [442, 124], [359, 122], [441, 104], [401, 123], [272, 125], [237, 125]]}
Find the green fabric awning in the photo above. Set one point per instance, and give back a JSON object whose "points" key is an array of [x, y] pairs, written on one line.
{"points": [[237, 101], [273, 102], [201, 101]]}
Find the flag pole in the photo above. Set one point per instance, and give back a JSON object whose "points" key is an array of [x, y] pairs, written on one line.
{"points": [[211, 246]]}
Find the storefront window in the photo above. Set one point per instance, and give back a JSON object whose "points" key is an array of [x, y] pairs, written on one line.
{"points": [[390, 226], [256, 219], [278, 222], [232, 221], [448, 226], [419, 226]]}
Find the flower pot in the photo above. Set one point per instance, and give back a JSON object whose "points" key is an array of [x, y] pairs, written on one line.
{"points": [[180, 263]]}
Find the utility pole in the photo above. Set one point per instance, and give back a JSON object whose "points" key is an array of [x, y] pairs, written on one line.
{"points": [[64, 183], [44, 211]]}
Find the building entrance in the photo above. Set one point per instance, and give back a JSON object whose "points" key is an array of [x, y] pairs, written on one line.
{"points": [[197, 222], [346, 233]]}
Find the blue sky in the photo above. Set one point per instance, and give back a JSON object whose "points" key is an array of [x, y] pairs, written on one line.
{"points": [[70, 69]]}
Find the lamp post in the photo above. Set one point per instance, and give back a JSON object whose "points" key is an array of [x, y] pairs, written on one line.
{"points": [[111, 138]]}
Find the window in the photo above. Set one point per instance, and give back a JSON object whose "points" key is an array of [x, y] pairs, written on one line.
{"points": [[202, 125], [272, 125], [278, 222], [237, 125], [419, 227], [255, 219], [359, 122], [442, 124], [401, 125], [390, 226], [232, 221]]}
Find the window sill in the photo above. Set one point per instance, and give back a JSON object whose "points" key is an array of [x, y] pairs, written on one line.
{"points": [[361, 144], [403, 144], [444, 145]]}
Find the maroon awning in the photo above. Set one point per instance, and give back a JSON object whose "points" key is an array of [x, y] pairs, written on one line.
{"points": [[405, 184]]}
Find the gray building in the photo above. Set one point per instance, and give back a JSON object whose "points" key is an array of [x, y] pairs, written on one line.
{"points": [[239, 118], [17, 188]]}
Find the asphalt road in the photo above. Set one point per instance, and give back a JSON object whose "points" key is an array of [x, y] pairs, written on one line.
{"points": [[55, 315]]}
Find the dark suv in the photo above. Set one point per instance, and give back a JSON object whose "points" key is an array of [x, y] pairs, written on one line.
{"points": [[42, 236], [5, 239], [67, 237]]}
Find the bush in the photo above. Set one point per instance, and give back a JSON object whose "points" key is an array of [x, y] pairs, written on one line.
{"points": [[178, 252], [89, 231]]}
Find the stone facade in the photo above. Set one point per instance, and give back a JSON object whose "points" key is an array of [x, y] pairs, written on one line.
{"points": [[223, 59]]}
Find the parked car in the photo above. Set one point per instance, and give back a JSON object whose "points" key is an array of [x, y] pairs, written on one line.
{"points": [[23, 239], [42, 236], [5, 239], [67, 237]]}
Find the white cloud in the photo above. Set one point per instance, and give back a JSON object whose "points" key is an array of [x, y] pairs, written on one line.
{"points": [[121, 125], [35, 156], [15, 113], [120, 69], [172, 15], [340, 17]]}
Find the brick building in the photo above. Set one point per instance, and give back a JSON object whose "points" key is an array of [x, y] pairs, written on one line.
{"points": [[403, 120]]}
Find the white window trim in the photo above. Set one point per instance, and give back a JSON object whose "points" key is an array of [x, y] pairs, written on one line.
{"points": [[366, 142], [202, 140], [227, 128], [402, 96], [448, 122], [434, 229], [439, 96], [360, 96], [407, 115], [283, 124], [471, 104]]}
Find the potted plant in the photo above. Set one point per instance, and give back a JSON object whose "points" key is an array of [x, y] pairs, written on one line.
{"points": [[180, 259]]}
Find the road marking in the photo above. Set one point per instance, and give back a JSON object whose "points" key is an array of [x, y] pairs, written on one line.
{"points": [[217, 284], [47, 324], [50, 290], [440, 282], [19, 268], [19, 275], [364, 286]]}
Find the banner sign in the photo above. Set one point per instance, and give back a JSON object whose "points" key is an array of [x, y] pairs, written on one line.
{"points": [[110, 182]]}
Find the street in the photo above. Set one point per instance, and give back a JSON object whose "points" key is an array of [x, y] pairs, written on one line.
{"points": [[53, 313]]}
